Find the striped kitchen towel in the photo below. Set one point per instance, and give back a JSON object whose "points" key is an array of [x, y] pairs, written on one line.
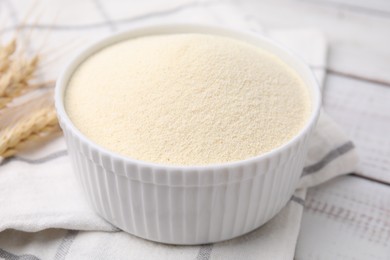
{"points": [[43, 213]]}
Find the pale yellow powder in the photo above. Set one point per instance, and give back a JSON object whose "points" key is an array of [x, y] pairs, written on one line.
{"points": [[187, 99]]}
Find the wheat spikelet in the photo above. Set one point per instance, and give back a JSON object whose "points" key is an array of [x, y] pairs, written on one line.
{"points": [[15, 79], [5, 101], [33, 140], [29, 122], [5, 55]]}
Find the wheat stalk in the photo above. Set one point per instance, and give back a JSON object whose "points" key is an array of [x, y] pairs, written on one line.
{"points": [[31, 122], [15, 79], [6, 100], [25, 119], [32, 140]]}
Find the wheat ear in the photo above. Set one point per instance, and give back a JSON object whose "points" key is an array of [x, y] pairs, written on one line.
{"points": [[5, 55], [29, 122], [15, 80]]}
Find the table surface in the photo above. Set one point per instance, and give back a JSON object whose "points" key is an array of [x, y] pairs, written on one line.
{"points": [[349, 217]]}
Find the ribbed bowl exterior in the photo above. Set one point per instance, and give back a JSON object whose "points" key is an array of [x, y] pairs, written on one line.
{"points": [[187, 205]]}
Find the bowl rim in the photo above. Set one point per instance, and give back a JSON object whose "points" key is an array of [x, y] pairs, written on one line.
{"points": [[299, 67]]}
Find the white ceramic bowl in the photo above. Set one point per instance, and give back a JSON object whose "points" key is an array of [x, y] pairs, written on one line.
{"points": [[187, 204]]}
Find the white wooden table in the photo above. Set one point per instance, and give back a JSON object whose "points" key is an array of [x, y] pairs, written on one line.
{"points": [[349, 217]]}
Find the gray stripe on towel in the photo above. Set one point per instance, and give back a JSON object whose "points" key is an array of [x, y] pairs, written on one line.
{"points": [[103, 12], [66, 242], [298, 200], [333, 154], [205, 252], [9, 256]]}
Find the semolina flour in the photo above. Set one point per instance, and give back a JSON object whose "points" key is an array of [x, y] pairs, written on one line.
{"points": [[187, 99]]}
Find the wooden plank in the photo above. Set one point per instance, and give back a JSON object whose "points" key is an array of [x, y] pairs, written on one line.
{"points": [[363, 110], [359, 60], [346, 218], [359, 41]]}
